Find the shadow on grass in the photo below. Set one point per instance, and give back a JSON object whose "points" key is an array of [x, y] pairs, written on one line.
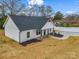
{"points": [[30, 41]]}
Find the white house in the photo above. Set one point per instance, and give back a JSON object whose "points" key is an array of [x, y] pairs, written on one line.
{"points": [[24, 28]]}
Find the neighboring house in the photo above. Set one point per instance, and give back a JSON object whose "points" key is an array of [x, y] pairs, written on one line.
{"points": [[71, 21], [24, 28]]}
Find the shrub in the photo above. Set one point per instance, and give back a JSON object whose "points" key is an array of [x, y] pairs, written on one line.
{"points": [[2, 20]]}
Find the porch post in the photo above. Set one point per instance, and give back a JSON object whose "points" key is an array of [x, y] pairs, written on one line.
{"points": [[41, 33]]}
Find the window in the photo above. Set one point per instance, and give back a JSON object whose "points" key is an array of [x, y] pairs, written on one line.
{"points": [[44, 32], [28, 34], [50, 30], [38, 32], [47, 31]]}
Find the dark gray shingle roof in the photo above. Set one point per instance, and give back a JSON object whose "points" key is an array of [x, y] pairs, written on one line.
{"points": [[29, 22]]}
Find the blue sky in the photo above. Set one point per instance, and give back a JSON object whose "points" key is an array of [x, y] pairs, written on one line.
{"points": [[65, 6]]}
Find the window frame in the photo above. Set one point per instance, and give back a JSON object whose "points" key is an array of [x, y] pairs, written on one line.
{"points": [[44, 32], [50, 30], [28, 34], [38, 32]]}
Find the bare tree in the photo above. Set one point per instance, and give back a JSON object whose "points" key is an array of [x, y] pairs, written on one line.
{"points": [[2, 11], [42, 10], [45, 10], [48, 10], [72, 17], [12, 6]]}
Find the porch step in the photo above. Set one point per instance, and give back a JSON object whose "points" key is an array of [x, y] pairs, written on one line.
{"points": [[41, 38]]}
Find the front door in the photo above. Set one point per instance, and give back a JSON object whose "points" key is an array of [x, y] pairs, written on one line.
{"points": [[44, 32], [41, 33], [48, 31]]}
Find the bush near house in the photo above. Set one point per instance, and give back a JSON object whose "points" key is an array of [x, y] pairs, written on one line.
{"points": [[2, 20]]}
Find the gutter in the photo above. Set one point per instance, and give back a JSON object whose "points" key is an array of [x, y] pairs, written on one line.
{"points": [[19, 38]]}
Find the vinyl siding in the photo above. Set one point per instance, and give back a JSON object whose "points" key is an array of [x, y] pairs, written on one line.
{"points": [[48, 25], [23, 35], [11, 30]]}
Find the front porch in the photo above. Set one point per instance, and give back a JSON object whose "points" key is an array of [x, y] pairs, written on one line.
{"points": [[46, 32]]}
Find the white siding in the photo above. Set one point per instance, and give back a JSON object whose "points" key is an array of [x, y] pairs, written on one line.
{"points": [[48, 25], [23, 35], [11, 30]]}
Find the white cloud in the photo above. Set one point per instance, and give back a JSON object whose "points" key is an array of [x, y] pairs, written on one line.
{"points": [[36, 2], [70, 12]]}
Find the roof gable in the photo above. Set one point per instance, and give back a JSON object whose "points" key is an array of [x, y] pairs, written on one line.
{"points": [[29, 22]]}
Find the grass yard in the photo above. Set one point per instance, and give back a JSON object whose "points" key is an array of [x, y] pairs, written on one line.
{"points": [[48, 48]]}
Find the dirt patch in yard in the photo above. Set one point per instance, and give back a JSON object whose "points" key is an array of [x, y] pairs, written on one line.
{"points": [[48, 48]]}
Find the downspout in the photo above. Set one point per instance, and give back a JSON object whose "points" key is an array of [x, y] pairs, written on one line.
{"points": [[19, 37], [53, 28]]}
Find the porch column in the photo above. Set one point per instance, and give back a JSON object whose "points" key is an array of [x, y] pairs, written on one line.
{"points": [[41, 32]]}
